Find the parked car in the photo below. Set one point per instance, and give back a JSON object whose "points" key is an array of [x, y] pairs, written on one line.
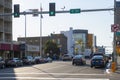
{"points": [[79, 60], [14, 62], [37, 59], [2, 63], [67, 57], [98, 61], [28, 60], [49, 59]]}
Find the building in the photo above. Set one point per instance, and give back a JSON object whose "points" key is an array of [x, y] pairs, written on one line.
{"points": [[91, 42], [5, 21], [70, 41], [6, 44], [76, 39], [34, 43]]}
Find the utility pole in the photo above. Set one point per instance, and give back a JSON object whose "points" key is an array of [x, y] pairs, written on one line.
{"points": [[40, 46], [115, 38], [25, 35]]}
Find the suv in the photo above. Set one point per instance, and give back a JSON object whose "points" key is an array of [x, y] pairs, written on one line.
{"points": [[2, 63]]}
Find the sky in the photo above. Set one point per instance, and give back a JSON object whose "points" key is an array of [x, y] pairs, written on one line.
{"points": [[97, 23]]}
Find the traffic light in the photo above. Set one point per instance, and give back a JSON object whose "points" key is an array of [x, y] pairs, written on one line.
{"points": [[51, 9], [16, 10]]}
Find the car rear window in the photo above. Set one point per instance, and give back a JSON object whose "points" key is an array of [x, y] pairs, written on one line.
{"points": [[97, 57]]}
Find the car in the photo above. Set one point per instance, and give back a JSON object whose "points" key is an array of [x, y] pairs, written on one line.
{"points": [[98, 61], [67, 57], [28, 60], [49, 59], [14, 62], [2, 63], [37, 59], [79, 60]]}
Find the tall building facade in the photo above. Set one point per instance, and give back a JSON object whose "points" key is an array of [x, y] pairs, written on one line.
{"points": [[5, 21], [73, 38], [6, 46], [70, 41]]}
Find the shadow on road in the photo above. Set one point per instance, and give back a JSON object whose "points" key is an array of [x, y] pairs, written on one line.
{"points": [[7, 74]]}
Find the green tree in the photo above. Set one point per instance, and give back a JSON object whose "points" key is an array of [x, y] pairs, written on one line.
{"points": [[80, 42], [52, 49]]}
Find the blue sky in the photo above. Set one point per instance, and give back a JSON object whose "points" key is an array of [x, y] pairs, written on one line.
{"points": [[97, 23]]}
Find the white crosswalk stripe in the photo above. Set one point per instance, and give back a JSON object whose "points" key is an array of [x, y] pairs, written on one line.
{"points": [[44, 78], [55, 76]]}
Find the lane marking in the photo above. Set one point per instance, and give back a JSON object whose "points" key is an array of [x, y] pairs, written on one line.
{"points": [[44, 78]]}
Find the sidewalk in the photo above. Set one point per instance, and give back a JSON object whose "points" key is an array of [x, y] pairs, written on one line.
{"points": [[108, 68]]}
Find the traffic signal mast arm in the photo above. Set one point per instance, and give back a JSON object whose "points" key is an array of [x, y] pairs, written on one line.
{"points": [[65, 11]]}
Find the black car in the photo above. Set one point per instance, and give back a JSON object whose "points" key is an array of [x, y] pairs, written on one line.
{"points": [[79, 60], [98, 61], [2, 63], [14, 62]]}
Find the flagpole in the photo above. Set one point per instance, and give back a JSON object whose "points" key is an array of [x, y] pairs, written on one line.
{"points": [[41, 31]]}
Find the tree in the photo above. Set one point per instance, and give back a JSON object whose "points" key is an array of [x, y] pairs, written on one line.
{"points": [[80, 43], [52, 49]]}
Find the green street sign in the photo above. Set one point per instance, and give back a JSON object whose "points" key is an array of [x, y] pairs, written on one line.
{"points": [[117, 33], [73, 11]]}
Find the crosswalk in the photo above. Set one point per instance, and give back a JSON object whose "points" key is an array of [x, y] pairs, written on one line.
{"points": [[44, 78], [51, 76]]}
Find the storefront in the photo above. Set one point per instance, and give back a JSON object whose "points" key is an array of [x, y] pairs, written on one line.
{"points": [[9, 50], [33, 50]]}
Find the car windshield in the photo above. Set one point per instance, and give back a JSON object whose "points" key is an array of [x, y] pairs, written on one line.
{"points": [[78, 56], [97, 57]]}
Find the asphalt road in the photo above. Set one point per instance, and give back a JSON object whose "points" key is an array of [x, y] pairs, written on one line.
{"points": [[57, 70]]}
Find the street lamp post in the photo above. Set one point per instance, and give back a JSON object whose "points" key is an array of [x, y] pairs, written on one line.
{"points": [[40, 46], [114, 54], [25, 32]]}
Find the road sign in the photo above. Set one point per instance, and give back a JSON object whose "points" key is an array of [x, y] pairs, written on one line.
{"points": [[115, 28], [117, 33], [35, 14], [73, 11]]}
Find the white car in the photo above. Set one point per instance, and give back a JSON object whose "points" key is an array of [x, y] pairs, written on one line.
{"points": [[49, 59], [67, 57]]}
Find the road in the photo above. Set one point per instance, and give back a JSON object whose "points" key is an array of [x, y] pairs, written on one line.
{"points": [[57, 70]]}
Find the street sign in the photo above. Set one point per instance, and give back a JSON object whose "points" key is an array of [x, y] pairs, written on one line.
{"points": [[115, 28], [73, 11], [117, 33], [35, 14]]}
